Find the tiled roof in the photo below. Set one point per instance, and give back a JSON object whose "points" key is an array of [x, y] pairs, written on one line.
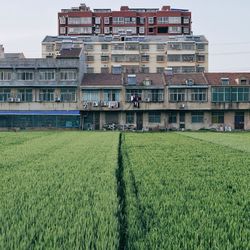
{"points": [[181, 79], [103, 79], [70, 53], [215, 78], [156, 78]]}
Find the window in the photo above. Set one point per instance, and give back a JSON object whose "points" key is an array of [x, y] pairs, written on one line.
{"points": [[62, 20], [188, 46], [174, 46], [105, 46], [117, 58], [174, 29], [80, 30], [200, 58], [118, 20], [118, 46], [186, 30], [145, 70], [153, 95], [106, 30], [68, 95], [132, 46], [62, 30], [154, 116], [162, 20], [130, 20], [224, 81], [111, 95], [174, 19], [177, 95], [68, 75], [144, 58], [186, 69], [105, 70], [141, 30], [198, 95], [188, 58], [104, 58], [200, 46], [79, 20], [240, 94], [217, 117], [142, 20], [160, 70], [186, 20], [90, 59], [130, 117], [160, 58], [200, 69], [5, 75], [221, 94], [25, 76], [172, 118], [90, 70], [47, 75], [144, 46], [243, 81], [25, 95], [151, 20], [4, 95], [106, 20], [174, 58], [97, 20], [131, 93], [160, 46], [91, 96], [197, 117], [88, 47], [46, 95]]}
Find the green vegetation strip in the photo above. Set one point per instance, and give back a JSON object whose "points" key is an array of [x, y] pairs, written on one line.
{"points": [[59, 191], [77, 190], [184, 193]]}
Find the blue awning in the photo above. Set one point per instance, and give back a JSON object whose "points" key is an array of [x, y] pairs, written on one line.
{"points": [[39, 112]]}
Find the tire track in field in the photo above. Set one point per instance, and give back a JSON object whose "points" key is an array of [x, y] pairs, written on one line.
{"points": [[121, 194]]}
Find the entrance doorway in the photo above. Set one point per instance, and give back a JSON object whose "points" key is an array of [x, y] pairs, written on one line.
{"points": [[139, 120], [182, 120], [239, 120]]}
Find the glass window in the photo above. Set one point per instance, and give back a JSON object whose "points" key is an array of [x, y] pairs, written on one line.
{"points": [[221, 94], [153, 95], [68, 95], [130, 117], [177, 95], [68, 75], [111, 95], [91, 96], [4, 95], [25, 95], [172, 118], [25, 76], [5, 75], [105, 46], [154, 117], [197, 117], [240, 94], [160, 58], [198, 95], [47, 75], [131, 93], [46, 95], [144, 46], [218, 117]]}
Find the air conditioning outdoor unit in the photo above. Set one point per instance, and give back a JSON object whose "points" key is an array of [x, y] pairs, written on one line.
{"points": [[17, 100], [57, 99], [95, 104], [182, 106], [10, 99], [147, 100]]}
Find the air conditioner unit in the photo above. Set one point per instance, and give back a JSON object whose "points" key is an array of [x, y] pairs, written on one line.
{"points": [[105, 104], [57, 99], [113, 104], [10, 99], [182, 106], [95, 104], [147, 100], [85, 105], [17, 100]]}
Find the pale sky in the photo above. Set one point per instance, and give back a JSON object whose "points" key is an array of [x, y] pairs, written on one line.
{"points": [[225, 23]]}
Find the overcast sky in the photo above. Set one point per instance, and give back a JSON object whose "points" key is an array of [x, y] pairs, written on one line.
{"points": [[225, 23]]}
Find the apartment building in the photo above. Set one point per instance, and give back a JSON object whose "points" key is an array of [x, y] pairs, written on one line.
{"points": [[219, 101], [144, 21], [135, 54], [41, 92]]}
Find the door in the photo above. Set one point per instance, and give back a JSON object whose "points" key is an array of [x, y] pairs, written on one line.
{"points": [[182, 119], [139, 120], [239, 120]]}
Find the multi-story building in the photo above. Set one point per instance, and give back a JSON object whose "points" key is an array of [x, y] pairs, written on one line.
{"points": [[166, 101], [136, 54], [165, 21], [41, 92]]}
